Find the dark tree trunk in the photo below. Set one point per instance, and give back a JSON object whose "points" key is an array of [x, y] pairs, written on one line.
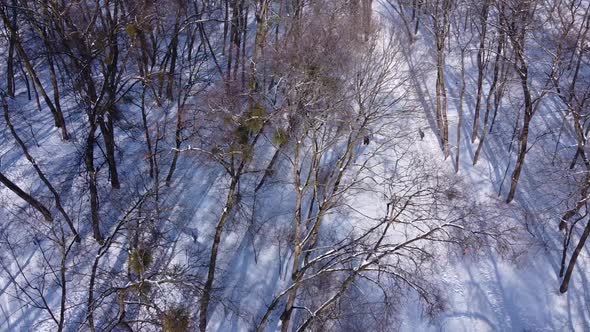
{"points": [[26, 197], [570, 268], [480, 68], [92, 183]]}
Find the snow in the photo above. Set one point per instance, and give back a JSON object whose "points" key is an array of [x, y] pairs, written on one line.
{"points": [[485, 289]]}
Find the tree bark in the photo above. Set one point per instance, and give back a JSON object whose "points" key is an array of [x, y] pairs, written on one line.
{"points": [[92, 183], [40, 173], [26, 197], [491, 92], [570, 268], [208, 288], [480, 68], [524, 135]]}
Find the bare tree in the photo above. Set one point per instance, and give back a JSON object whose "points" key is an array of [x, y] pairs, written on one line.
{"points": [[439, 12], [482, 27], [496, 90], [17, 43], [42, 176], [571, 24], [517, 18]]}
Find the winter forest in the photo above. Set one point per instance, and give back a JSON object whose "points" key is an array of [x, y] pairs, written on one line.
{"points": [[294, 165]]}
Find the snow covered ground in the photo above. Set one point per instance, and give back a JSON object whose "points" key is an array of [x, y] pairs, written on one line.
{"points": [[505, 285]]}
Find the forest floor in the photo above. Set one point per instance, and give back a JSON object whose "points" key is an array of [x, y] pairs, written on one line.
{"points": [[487, 287]]}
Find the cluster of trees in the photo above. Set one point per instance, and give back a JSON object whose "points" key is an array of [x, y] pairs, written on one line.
{"points": [[288, 98], [540, 47], [266, 93]]}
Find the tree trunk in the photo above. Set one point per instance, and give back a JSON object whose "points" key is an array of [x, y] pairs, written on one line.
{"points": [[524, 135], [178, 142], [244, 40], [39, 172], [56, 97], [441, 101], [26, 197], [148, 140], [207, 289], [259, 40], [107, 130], [225, 24], [92, 182], [57, 116], [491, 92], [481, 69], [460, 112], [570, 268], [295, 274], [10, 86], [173, 58]]}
